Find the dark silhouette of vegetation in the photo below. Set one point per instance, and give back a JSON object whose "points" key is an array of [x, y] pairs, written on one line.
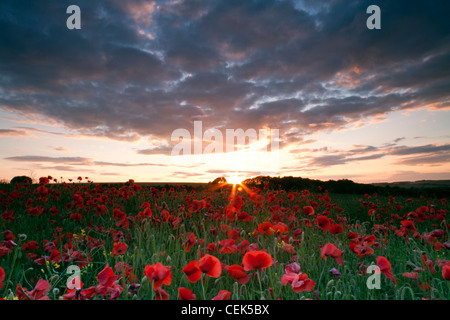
{"points": [[341, 186], [21, 180], [219, 180]]}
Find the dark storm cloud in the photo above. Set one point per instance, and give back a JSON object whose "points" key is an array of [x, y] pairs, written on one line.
{"points": [[139, 68]]}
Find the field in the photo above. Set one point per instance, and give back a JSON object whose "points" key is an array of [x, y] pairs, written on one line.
{"points": [[91, 241]]}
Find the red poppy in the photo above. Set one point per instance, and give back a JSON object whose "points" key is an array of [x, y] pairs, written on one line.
{"points": [[360, 250], [323, 222], [8, 235], [210, 265], [411, 275], [222, 295], [256, 260], [299, 282], [38, 293], [292, 268], [2, 277], [330, 250], [385, 268], [336, 229], [189, 242], [228, 246], [428, 263], [266, 227], [237, 272], [446, 271], [30, 246], [119, 248], [192, 271], [159, 274], [106, 277], [309, 210], [8, 216], [160, 294], [185, 294], [280, 227]]}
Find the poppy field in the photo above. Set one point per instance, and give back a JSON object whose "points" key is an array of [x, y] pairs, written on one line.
{"points": [[130, 241]]}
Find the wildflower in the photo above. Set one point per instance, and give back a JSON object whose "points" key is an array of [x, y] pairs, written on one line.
{"points": [[210, 265], [330, 250], [256, 260], [185, 294], [192, 271], [119, 248], [237, 272], [159, 274], [222, 295], [385, 268]]}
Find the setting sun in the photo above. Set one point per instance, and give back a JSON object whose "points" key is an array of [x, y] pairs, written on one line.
{"points": [[235, 179]]}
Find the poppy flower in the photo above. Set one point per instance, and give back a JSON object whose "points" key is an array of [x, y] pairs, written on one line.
{"points": [[30, 246], [228, 246], [385, 268], [210, 265], [299, 282], [38, 293], [360, 250], [237, 272], [309, 210], [336, 229], [256, 260], [335, 272], [222, 295], [292, 268], [189, 242], [266, 227], [411, 275], [192, 271], [2, 277], [280, 227], [119, 248], [428, 263], [185, 294], [106, 277], [330, 250], [159, 274], [323, 222], [243, 246], [160, 294], [446, 271]]}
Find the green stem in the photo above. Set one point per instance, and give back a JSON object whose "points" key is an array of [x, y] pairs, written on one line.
{"points": [[12, 270]]}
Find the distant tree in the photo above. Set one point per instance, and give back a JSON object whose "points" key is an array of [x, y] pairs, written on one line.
{"points": [[219, 180], [21, 180]]}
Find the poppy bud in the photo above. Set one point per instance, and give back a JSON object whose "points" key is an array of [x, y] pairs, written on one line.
{"points": [[53, 279], [330, 283], [168, 259], [22, 237], [235, 288], [55, 291]]}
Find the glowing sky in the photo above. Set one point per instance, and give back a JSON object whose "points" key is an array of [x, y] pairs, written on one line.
{"points": [[103, 101]]}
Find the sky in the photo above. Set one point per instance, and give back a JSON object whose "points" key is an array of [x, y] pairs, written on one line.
{"points": [[105, 101]]}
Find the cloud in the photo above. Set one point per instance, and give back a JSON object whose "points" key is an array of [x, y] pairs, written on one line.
{"points": [[80, 161], [140, 68], [164, 150], [13, 133], [410, 150]]}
